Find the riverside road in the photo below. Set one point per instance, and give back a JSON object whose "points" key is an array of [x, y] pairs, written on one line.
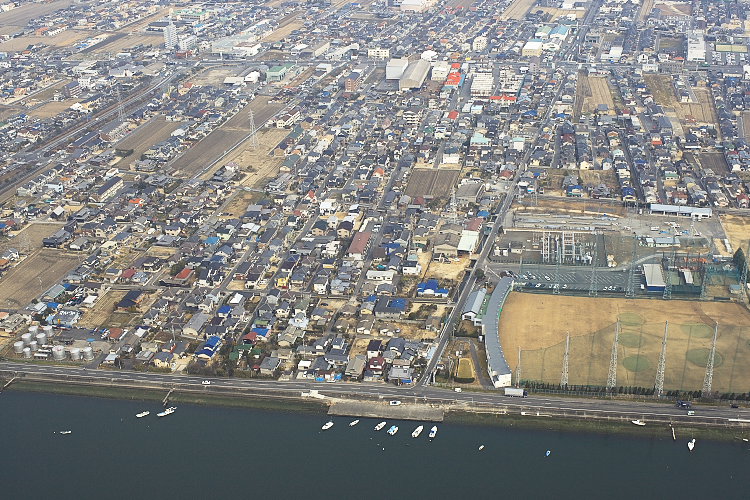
{"points": [[532, 405]]}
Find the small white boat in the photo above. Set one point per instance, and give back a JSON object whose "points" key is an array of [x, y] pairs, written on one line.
{"points": [[393, 430], [691, 444], [353, 423], [380, 426], [65, 432], [547, 453], [417, 431], [327, 425], [481, 447], [433, 432], [745, 440], [638, 422], [143, 414], [166, 412]]}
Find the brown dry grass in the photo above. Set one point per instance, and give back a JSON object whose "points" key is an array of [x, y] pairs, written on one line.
{"points": [[558, 13], [52, 108], [517, 10], [99, 314], [700, 112], [737, 229], [144, 137], [283, 31], [448, 271], [600, 94], [35, 275], [257, 164], [538, 324], [29, 239], [64, 39]]}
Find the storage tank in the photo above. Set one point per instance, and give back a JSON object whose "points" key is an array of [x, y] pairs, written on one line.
{"points": [[18, 346], [33, 328], [88, 353], [41, 338], [26, 352], [26, 337], [47, 329], [34, 346], [58, 353], [75, 354]]}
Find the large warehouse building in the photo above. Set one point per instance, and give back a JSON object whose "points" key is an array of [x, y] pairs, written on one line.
{"points": [[415, 75], [497, 367]]}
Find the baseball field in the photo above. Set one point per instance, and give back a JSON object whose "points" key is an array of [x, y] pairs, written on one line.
{"points": [[539, 324]]}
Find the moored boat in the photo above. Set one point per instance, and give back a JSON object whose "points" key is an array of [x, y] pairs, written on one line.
{"points": [[353, 423], [327, 425], [380, 425], [417, 431], [166, 412], [66, 432], [393, 430], [433, 432], [142, 414], [638, 422], [691, 444]]}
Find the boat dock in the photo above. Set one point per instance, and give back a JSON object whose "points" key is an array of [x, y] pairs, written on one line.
{"points": [[419, 412]]}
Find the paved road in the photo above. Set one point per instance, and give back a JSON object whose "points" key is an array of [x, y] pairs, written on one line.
{"points": [[611, 408]]}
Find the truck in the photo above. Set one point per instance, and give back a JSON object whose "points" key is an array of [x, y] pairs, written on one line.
{"points": [[516, 393]]}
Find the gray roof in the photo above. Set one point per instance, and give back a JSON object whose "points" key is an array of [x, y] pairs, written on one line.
{"points": [[495, 357]]}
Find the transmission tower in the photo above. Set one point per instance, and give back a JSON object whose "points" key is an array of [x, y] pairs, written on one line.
{"points": [[630, 290], [612, 376], [566, 356], [558, 255], [518, 368], [253, 131], [708, 380], [659, 385], [592, 287]]}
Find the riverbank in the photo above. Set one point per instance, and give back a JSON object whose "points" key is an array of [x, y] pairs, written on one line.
{"points": [[452, 415]]}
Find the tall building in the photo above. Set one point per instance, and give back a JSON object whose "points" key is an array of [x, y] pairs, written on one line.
{"points": [[696, 46], [170, 36]]}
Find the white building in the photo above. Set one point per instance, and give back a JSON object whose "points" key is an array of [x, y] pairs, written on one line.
{"points": [[378, 53], [187, 42], [479, 44], [440, 71], [395, 68], [170, 36], [482, 84], [696, 50]]}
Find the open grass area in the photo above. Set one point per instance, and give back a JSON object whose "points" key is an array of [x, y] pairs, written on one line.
{"points": [[35, 275], [465, 369], [539, 324]]}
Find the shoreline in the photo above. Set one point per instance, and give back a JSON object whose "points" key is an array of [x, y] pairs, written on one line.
{"points": [[275, 402]]}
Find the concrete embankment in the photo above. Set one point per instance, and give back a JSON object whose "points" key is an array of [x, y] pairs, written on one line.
{"points": [[422, 413]]}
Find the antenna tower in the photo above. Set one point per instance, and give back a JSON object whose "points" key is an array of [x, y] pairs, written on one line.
{"points": [[708, 380], [253, 131], [630, 290], [659, 385], [612, 376], [566, 356]]}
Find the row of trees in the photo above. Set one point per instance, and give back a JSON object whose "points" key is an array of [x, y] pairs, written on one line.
{"points": [[634, 390]]}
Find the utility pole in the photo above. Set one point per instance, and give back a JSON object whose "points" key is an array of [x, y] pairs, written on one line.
{"points": [[612, 376], [253, 131], [518, 368], [630, 286], [659, 385], [709, 378]]}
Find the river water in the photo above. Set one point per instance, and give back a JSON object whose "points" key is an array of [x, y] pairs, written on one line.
{"points": [[215, 452]]}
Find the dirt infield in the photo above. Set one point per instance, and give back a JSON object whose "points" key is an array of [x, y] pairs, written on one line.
{"points": [[538, 324], [517, 10], [737, 229], [35, 275]]}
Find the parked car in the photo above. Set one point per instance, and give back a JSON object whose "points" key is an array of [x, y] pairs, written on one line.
{"points": [[395, 402]]}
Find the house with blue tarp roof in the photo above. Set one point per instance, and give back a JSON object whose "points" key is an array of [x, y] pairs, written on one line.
{"points": [[224, 311], [431, 287], [210, 347]]}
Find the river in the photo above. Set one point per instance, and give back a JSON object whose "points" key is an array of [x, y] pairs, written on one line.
{"points": [[216, 452]]}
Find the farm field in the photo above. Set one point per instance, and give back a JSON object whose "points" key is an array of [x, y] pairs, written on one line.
{"points": [[119, 43], [52, 108], [64, 39], [598, 94], [29, 239], [215, 144], [22, 15], [144, 137], [517, 9], [432, 182], [556, 13], [35, 275], [538, 325], [99, 314]]}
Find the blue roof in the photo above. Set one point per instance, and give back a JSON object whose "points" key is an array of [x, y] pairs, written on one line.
{"points": [[212, 342], [483, 213], [53, 305], [212, 240], [260, 331], [225, 309]]}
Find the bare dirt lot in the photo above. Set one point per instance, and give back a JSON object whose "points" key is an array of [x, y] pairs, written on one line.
{"points": [[737, 228], [129, 41], [215, 144], [517, 10], [698, 112], [599, 94], [22, 15], [432, 182], [214, 76], [144, 137], [674, 9], [283, 32], [556, 13], [64, 39], [29, 239], [99, 314], [256, 163], [52, 108], [35, 275], [538, 324]]}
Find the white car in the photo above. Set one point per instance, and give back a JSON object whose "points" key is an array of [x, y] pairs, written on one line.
{"points": [[206, 382], [395, 402]]}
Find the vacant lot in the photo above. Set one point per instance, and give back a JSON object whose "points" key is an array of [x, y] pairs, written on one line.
{"points": [[35, 275], [52, 108], [22, 15], [144, 137], [556, 13], [448, 270], [701, 111], [121, 43], [539, 324], [432, 182], [714, 161], [217, 143], [29, 239], [283, 31], [596, 93], [258, 166], [64, 39], [99, 314], [737, 228], [517, 10], [214, 76]]}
